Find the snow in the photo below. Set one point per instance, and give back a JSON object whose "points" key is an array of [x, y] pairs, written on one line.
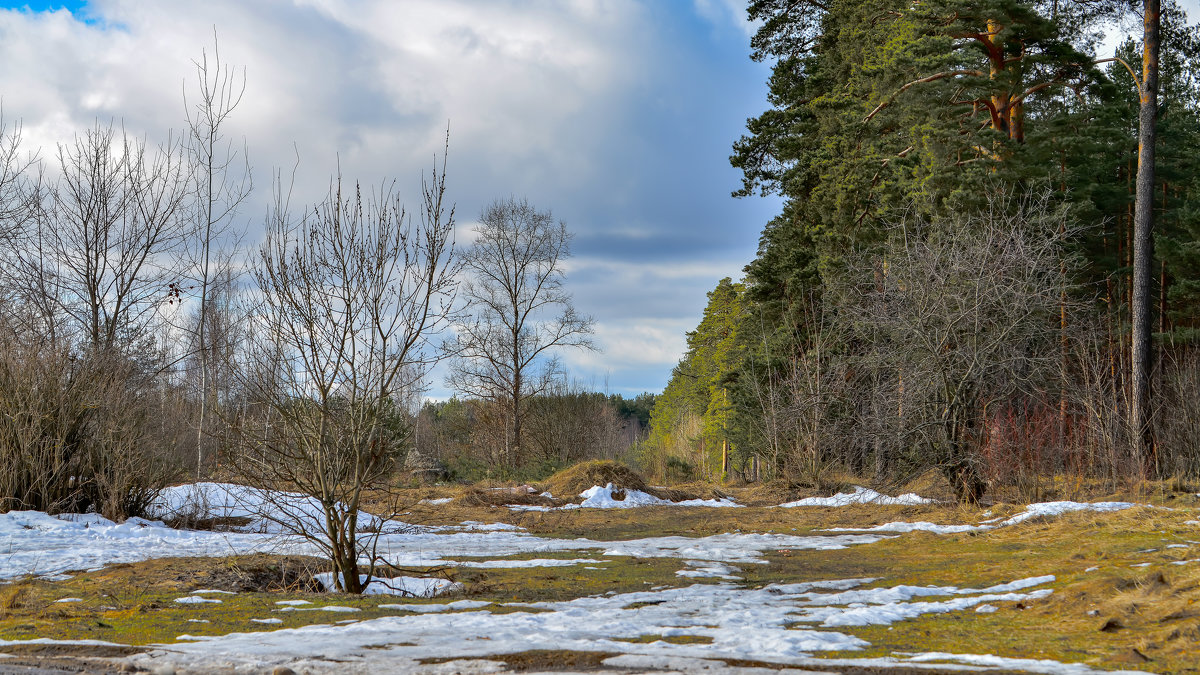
{"points": [[533, 562], [196, 600], [1045, 509], [416, 587], [861, 495], [706, 569], [909, 527], [268, 511], [1059, 508], [448, 607], [1032, 665], [742, 623], [597, 497], [33, 543], [437, 502]]}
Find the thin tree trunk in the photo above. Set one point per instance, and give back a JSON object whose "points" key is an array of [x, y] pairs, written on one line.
{"points": [[1143, 252]]}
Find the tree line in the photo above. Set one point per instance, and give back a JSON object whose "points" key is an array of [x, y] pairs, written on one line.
{"points": [[143, 341], [950, 283]]}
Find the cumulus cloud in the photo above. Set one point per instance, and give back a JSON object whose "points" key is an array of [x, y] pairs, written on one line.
{"points": [[618, 116]]}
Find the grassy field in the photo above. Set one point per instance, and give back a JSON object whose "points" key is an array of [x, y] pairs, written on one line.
{"points": [[1119, 600]]}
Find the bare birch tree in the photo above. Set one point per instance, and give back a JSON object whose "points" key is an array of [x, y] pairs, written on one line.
{"points": [[221, 183], [521, 313]]}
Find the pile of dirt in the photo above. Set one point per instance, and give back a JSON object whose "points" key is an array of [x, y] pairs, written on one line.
{"points": [[767, 493], [259, 572], [931, 484], [425, 468], [569, 482]]}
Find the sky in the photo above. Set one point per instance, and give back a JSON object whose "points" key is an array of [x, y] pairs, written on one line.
{"points": [[618, 116]]}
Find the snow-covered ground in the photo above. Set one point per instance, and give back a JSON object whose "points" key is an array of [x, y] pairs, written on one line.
{"points": [[753, 624], [786, 624], [861, 495]]}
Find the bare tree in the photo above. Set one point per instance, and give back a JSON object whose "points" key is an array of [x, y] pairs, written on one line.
{"points": [[221, 183], [964, 319], [16, 195], [102, 253], [521, 313], [352, 294]]}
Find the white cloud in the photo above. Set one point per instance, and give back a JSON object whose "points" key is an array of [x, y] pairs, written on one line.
{"points": [[597, 110], [722, 13]]}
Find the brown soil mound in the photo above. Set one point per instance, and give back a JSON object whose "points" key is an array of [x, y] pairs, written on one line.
{"points": [[569, 482], [931, 484]]}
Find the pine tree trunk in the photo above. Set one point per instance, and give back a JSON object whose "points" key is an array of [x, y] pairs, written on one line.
{"points": [[1143, 245]]}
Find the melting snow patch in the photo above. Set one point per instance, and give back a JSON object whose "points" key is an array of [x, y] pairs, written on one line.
{"points": [[986, 609], [910, 527], [431, 609], [709, 570], [195, 600], [293, 602], [437, 502], [69, 600], [535, 562], [267, 620], [861, 495], [268, 511], [322, 608], [1059, 508], [416, 587], [1032, 665], [740, 623], [597, 497]]}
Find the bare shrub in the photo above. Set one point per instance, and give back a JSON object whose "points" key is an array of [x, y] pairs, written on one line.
{"points": [[965, 316], [80, 431], [352, 294], [1176, 416], [569, 424]]}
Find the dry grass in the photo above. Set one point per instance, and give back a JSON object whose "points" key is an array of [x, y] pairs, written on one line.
{"points": [[11, 597], [488, 497]]}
